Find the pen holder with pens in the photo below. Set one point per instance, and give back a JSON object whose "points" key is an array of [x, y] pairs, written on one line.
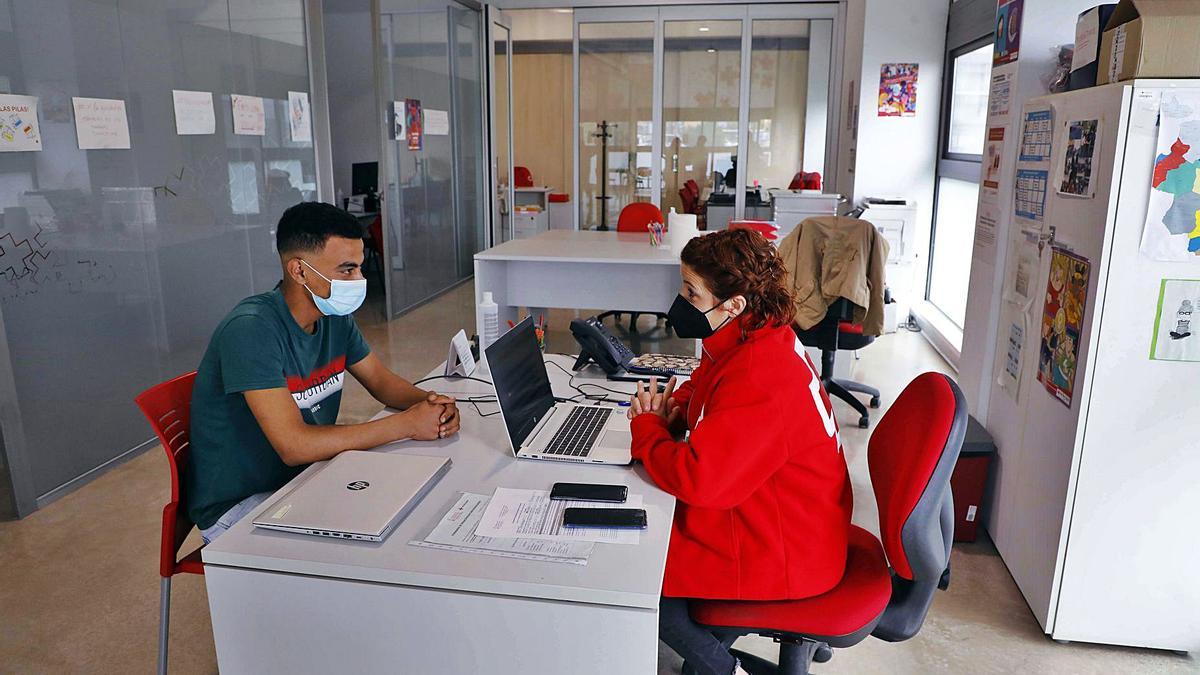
{"points": [[658, 233]]}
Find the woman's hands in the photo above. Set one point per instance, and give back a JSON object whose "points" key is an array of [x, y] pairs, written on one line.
{"points": [[648, 400]]}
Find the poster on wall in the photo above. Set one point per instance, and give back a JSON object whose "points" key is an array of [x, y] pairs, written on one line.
{"points": [[19, 123], [1037, 130], [986, 223], [414, 129], [249, 118], [101, 123], [1175, 337], [1029, 193], [1172, 230], [993, 155], [299, 117], [194, 114], [397, 120], [1079, 159], [1007, 46], [898, 89], [1000, 93], [1062, 322]]}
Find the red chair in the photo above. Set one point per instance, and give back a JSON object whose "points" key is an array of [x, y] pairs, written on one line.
{"points": [[637, 217], [687, 199], [805, 180], [763, 227], [886, 590], [522, 177], [168, 407]]}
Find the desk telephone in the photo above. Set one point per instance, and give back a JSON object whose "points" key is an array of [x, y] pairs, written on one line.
{"points": [[618, 361]]}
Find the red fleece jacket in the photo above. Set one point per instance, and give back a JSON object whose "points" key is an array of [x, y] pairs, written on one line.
{"points": [[764, 495]]}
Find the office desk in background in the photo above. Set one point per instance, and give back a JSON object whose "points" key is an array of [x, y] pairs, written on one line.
{"points": [[289, 603], [569, 269]]}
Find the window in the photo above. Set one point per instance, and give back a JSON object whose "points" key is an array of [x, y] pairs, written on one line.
{"points": [[957, 192]]}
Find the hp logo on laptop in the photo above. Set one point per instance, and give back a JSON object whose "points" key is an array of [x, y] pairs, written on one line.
{"points": [[358, 485]]}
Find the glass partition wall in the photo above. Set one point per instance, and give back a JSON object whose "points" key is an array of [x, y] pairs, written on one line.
{"points": [[733, 101]]}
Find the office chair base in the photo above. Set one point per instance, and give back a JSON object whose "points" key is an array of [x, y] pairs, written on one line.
{"points": [[795, 658], [843, 388]]}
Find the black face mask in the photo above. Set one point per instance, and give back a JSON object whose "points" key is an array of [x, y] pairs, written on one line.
{"points": [[689, 322]]}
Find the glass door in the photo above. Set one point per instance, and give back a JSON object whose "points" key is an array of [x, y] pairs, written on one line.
{"points": [[500, 102], [434, 136]]}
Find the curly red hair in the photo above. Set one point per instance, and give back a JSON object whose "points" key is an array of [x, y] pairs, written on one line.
{"points": [[743, 262]]}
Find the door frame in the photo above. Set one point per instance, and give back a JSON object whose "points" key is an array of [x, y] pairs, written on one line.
{"points": [[495, 17]]}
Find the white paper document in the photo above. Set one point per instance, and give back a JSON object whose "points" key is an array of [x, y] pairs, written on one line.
{"points": [[532, 514], [249, 116], [456, 532], [19, 123], [437, 122], [299, 117], [100, 123], [194, 113]]}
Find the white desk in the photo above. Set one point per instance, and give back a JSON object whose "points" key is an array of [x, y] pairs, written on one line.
{"points": [[571, 269], [290, 603]]}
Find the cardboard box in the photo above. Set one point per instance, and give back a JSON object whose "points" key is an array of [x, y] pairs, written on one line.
{"points": [[1151, 38]]}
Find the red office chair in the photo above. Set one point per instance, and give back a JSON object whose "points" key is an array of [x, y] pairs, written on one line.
{"points": [[805, 180], [911, 456], [688, 201], [637, 217], [522, 177], [763, 227], [168, 407]]}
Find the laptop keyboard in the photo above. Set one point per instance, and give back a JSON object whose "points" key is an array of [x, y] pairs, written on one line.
{"points": [[576, 436]]}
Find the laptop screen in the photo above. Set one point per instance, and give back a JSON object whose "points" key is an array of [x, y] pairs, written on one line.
{"points": [[522, 386]]}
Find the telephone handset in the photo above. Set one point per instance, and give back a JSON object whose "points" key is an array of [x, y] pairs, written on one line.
{"points": [[599, 345]]}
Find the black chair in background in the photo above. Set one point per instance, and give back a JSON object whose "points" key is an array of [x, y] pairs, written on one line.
{"points": [[837, 331]]}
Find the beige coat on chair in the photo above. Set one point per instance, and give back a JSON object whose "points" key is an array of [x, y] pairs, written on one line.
{"points": [[831, 257]]}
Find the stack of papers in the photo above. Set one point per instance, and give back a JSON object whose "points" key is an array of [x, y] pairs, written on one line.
{"points": [[457, 532], [531, 514]]}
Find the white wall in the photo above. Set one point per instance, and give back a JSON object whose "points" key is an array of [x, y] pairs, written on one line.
{"points": [[353, 118], [897, 156]]}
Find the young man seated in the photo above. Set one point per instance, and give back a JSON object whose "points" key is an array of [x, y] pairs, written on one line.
{"points": [[269, 387]]}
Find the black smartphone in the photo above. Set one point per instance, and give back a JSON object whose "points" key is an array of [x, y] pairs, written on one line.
{"points": [[581, 517], [590, 492]]}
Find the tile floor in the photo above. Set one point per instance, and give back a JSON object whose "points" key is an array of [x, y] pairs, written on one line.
{"points": [[79, 585]]}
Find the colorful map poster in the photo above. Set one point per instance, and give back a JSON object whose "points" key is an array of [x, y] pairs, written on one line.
{"points": [[1007, 44], [898, 89], [1175, 337], [1062, 322], [19, 123], [1173, 216]]}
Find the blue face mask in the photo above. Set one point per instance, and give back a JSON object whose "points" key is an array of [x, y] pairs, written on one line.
{"points": [[344, 296]]}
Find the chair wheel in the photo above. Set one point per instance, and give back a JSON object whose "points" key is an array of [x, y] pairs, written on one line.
{"points": [[874, 402], [823, 653], [864, 422]]}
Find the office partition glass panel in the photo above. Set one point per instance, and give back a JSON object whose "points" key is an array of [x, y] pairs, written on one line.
{"points": [[702, 64], [616, 94], [789, 99], [431, 198], [502, 128], [118, 264]]}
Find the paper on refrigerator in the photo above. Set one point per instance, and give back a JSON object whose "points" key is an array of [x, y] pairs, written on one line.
{"points": [[456, 532], [532, 514]]}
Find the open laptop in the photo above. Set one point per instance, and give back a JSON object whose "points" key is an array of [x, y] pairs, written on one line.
{"points": [[539, 428], [357, 495]]}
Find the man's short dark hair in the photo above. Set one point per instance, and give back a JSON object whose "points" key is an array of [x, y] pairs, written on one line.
{"points": [[308, 225]]}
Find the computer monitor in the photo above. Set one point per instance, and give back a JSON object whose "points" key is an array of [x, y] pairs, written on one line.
{"points": [[364, 178]]}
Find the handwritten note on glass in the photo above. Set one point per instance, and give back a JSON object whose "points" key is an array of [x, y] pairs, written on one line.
{"points": [[101, 123], [194, 112], [248, 116]]}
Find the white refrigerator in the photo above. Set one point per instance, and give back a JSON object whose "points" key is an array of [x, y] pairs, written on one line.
{"points": [[1095, 506]]}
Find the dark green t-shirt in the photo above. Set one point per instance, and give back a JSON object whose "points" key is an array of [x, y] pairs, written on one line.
{"points": [[259, 345]]}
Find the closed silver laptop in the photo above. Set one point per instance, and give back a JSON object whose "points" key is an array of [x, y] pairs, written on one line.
{"points": [[357, 495]]}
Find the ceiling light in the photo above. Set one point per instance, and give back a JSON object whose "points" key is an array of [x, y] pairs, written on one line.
{"points": [[711, 50], [703, 29]]}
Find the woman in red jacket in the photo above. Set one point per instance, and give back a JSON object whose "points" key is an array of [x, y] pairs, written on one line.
{"points": [[748, 446]]}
